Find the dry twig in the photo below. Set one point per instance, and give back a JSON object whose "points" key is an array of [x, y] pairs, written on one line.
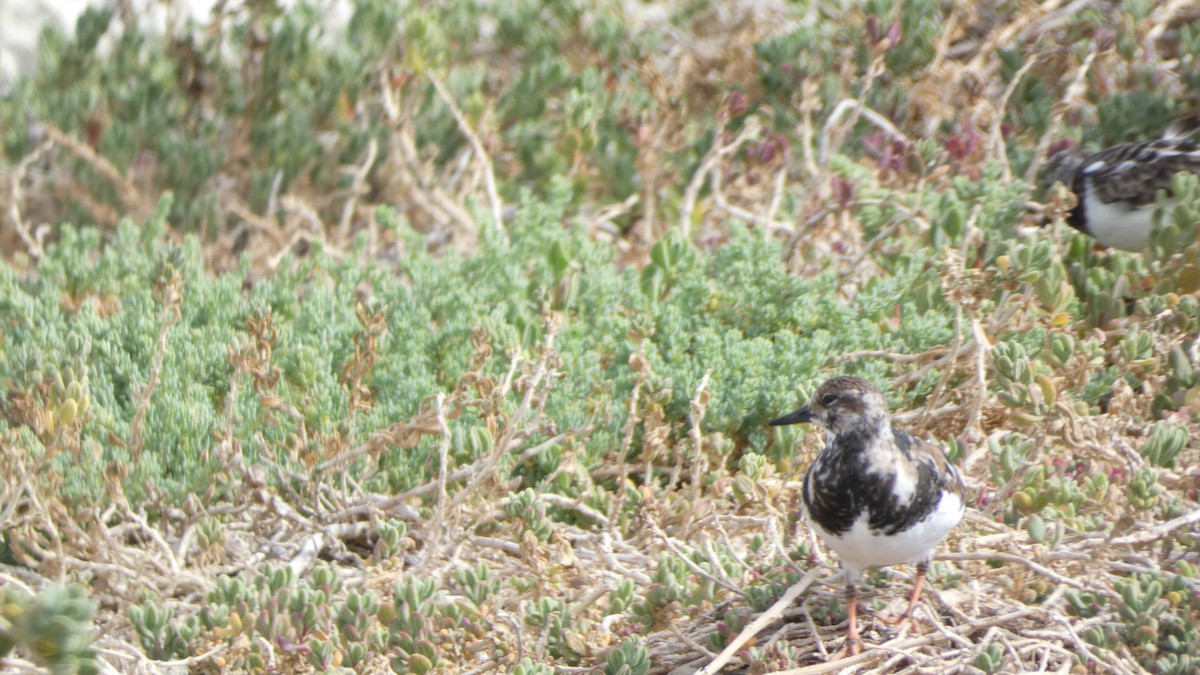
{"points": [[489, 175]]}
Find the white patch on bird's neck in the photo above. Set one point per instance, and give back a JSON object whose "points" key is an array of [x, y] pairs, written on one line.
{"points": [[1116, 225], [883, 458]]}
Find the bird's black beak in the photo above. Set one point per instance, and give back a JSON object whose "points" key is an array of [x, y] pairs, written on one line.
{"points": [[798, 417]]}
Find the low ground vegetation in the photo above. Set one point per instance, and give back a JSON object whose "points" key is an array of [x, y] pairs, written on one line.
{"points": [[449, 347]]}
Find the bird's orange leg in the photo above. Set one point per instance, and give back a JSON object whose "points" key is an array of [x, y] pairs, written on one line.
{"points": [[919, 584], [853, 645]]}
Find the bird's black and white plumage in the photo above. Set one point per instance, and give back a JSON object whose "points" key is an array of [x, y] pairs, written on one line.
{"points": [[875, 495], [1116, 187]]}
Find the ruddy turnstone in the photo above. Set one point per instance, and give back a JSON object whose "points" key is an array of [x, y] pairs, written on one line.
{"points": [[876, 495], [1116, 187]]}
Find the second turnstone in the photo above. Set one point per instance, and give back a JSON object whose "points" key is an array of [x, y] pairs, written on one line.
{"points": [[876, 495], [1116, 187]]}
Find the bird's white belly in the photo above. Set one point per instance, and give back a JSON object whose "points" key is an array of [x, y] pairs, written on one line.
{"points": [[1117, 225], [861, 547]]}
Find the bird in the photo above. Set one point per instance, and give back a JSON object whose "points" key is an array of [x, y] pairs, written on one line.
{"points": [[875, 495], [1116, 187]]}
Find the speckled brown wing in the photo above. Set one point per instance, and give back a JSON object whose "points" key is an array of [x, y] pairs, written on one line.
{"points": [[949, 479], [1135, 172]]}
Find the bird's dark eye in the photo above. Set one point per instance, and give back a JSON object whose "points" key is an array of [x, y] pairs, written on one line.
{"points": [[828, 399]]}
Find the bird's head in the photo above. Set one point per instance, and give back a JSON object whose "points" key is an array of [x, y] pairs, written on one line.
{"points": [[1061, 167], [842, 405]]}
